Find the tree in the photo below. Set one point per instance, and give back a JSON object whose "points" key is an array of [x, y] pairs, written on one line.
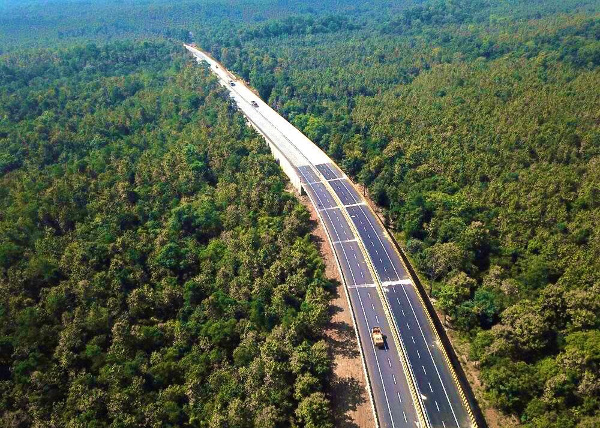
{"points": [[122, 265], [525, 328], [305, 385], [200, 219], [456, 291], [313, 411], [441, 259], [487, 306], [511, 385]]}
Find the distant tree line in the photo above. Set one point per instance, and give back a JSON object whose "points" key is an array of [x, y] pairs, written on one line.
{"points": [[474, 125]]}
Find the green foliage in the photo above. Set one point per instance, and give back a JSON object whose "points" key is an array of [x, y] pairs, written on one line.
{"points": [[313, 412], [512, 384], [153, 271]]}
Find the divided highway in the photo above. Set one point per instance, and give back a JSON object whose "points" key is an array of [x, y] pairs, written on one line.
{"points": [[411, 381]]}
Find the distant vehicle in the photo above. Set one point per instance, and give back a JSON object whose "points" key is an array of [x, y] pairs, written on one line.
{"points": [[254, 103], [378, 339], [231, 83]]}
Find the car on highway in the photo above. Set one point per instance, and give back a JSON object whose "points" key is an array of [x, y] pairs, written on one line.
{"points": [[231, 83], [254, 103]]}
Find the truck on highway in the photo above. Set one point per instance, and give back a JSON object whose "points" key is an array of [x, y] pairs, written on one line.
{"points": [[377, 335]]}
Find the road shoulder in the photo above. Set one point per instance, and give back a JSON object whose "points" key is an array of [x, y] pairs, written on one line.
{"points": [[348, 392]]}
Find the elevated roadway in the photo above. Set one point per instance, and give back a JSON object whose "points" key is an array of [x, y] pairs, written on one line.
{"points": [[411, 381]]}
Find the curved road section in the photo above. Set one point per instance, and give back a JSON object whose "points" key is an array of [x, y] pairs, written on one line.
{"points": [[411, 382]]}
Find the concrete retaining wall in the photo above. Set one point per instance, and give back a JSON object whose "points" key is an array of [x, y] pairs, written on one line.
{"points": [[282, 160]]}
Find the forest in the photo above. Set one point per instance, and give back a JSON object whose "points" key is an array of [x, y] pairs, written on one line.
{"points": [[154, 271], [130, 210]]}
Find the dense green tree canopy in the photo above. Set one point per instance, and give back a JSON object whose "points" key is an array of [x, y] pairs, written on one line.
{"points": [[136, 208], [153, 270], [475, 125]]}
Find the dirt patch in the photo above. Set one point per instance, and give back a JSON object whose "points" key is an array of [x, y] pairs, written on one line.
{"points": [[350, 400]]}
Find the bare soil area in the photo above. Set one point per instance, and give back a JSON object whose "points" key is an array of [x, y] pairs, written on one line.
{"points": [[351, 404]]}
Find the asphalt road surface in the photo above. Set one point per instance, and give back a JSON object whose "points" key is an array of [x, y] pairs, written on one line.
{"points": [[367, 258]]}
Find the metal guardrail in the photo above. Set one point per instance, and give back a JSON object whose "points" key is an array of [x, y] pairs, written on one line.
{"points": [[402, 354], [476, 418]]}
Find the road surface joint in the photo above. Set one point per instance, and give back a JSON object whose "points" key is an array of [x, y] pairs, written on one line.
{"points": [[431, 323]]}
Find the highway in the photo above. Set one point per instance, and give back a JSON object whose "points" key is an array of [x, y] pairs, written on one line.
{"points": [[411, 381]]}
